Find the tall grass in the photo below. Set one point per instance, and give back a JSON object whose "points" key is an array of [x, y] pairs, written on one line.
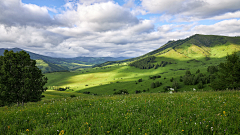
{"points": [[177, 113]]}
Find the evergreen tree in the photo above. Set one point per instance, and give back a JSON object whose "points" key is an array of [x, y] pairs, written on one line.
{"points": [[228, 74], [20, 80]]}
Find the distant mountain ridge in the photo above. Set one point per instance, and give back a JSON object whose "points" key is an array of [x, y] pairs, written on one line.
{"points": [[50, 64], [193, 47]]}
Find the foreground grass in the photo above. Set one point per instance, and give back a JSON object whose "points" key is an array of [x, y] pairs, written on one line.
{"points": [[178, 113]]}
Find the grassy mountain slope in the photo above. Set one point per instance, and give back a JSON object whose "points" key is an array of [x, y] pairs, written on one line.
{"points": [[48, 67], [193, 47], [60, 64], [193, 53]]}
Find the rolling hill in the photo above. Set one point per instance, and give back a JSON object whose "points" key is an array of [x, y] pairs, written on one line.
{"points": [[174, 59], [194, 47], [50, 64]]}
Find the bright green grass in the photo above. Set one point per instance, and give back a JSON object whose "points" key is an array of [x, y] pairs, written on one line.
{"points": [[104, 81], [177, 113]]}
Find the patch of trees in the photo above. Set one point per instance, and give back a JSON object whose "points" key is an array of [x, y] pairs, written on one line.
{"points": [[205, 40], [139, 91], [124, 91], [156, 84], [212, 69], [166, 88], [199, 78], [147, 63], [21, 80], [228, 75], [154, 77]]}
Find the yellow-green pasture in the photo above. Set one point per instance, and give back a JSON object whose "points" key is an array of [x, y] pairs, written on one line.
{"points": [[136, 114]]}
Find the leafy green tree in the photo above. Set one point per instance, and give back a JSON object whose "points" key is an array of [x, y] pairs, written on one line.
{"points": [[157, 84], [198, 71], [140, 80], [187, 72], [228, 74], [171, 80], [200, 85], [175, 85], [212, 69], [153, 85], [20, 80]]}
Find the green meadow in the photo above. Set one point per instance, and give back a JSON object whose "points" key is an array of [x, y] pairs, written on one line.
{"points": [[106, 80], [188, 110], [146, 113]]}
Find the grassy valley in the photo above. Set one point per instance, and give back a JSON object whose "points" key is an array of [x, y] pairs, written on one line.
{"points": [[180, 55], [84, 100]]}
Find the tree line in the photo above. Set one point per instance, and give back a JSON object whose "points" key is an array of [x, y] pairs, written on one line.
{"points": [[147, 63]]}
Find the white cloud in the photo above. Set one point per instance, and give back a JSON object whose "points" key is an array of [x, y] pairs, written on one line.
{"points": [[226, 27], [98, 17], [16, 13], [104, 28], [192, 8], [229, 15], [129, 4], [89, 2]]}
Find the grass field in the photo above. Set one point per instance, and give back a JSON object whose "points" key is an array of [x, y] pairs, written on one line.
{"points": [[159, 113], [105, 81]]}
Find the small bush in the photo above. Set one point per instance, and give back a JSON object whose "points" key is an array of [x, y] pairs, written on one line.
{"points": [[171, 80], [165, 88], [212, 69], [121, 92], [140, 80], [200, 85], [198, 71], [187, 72], [153, 85], [86, 92], [175, 85], [138, 91], [72, 96]]}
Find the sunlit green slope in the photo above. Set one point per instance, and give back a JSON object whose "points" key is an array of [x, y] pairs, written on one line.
{"points": [[193, 53], [47, 67]]}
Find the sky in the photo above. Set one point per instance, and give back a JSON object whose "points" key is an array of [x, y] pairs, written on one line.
{"points": [[111, 28]]}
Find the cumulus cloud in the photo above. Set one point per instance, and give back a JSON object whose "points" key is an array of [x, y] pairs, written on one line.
{"points": [[98, 17], [100, 28], [89, 2], [16, 13], [228, 15], [225, 27], [192, 8]]}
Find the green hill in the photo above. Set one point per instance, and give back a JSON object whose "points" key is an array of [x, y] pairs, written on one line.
{"points": [[50, 64], [195, 47], [173, 59], [48, 67]]}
